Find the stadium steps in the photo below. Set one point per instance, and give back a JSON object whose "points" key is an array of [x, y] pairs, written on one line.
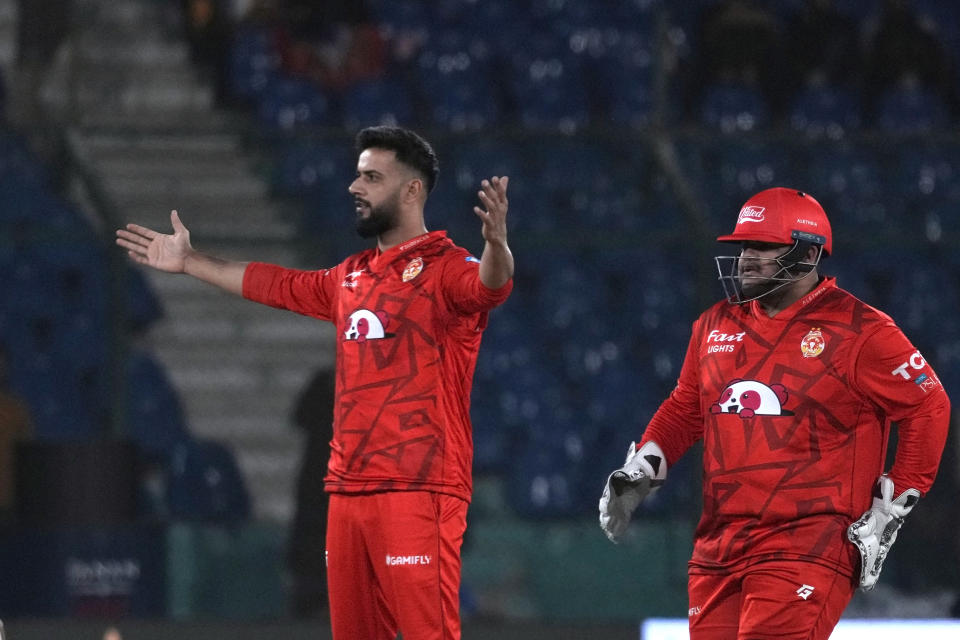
{"points": [[155, 142], [8, 33], [238, 367], [126, 63]]}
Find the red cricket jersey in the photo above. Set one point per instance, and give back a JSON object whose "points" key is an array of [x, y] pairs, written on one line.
{"points": [[409, 322], [794, 412]]}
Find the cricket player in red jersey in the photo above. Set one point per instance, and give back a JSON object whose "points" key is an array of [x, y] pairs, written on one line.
{"points": [[792, 389], [409, 315]]}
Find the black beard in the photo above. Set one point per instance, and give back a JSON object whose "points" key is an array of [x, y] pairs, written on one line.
{"points": [[380, 220], [758, 288]]}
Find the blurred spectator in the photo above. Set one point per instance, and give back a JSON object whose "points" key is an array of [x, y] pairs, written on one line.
{"points": [[3, 98], [333, 43], [902, 52], [208, 29], [42, 25], [739, 44], [822, 45], [15, 425], [306, 555]]}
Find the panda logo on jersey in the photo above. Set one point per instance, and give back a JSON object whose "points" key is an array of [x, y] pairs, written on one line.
{"points": [[367, 325], [750, 398]]}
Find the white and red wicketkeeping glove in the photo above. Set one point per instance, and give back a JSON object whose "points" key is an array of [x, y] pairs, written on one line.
{"points": [[876, 530], [642, 473]]}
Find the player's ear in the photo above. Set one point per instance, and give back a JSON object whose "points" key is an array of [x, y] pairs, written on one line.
{"points": [[415, 189]]}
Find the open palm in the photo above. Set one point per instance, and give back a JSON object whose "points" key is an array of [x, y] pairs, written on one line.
{"points": [[166, 252]]}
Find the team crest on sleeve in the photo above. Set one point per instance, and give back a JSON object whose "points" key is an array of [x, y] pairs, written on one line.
{"points": [[367, 325], [813, 343], [749, 398], [412, 270]]}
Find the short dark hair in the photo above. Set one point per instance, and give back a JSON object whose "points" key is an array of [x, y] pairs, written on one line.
{"points": [[411, 149]]}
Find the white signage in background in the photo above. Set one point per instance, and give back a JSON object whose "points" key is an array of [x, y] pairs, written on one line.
{"points": [[676, 629]]}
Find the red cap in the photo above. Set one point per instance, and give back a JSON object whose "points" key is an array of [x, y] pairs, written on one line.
{"points": [[782, 216]]}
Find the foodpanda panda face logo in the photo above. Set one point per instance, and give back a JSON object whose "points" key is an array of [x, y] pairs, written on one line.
{"points": [[750, 398], [367, 325]]}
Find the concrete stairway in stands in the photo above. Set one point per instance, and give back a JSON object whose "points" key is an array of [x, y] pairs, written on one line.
{"points": [[146, 124]]}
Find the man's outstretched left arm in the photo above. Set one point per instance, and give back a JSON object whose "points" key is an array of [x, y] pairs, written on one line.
{"points": [[496, 261]]}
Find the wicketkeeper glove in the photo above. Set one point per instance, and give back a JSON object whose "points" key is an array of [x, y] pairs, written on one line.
{"points": [[876, 530], [642, 473]]}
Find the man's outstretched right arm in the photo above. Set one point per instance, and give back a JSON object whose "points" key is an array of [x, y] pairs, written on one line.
{"points": [[174, 254]]}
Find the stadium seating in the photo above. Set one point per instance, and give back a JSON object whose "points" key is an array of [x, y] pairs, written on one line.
{"points": [[205, 484], [910, 110], [155, 418], [732, 108], [253, 62], [456, 75], [547, 85], [289, 103], [381, 101], [825, 111]]}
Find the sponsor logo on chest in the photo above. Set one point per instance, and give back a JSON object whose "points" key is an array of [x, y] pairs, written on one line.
{"points": [[719, 342]]}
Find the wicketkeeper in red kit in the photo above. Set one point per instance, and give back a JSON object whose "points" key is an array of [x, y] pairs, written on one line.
{"points": [[409, 315], [792, 385]]}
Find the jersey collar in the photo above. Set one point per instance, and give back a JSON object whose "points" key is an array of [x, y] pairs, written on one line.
{"points": [[827, 284], [382, 258]]}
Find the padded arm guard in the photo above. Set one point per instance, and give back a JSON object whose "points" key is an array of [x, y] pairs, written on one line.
{"points": [[641, 474], [876, 530]]}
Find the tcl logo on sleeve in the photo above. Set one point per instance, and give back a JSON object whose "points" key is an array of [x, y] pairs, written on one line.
{"points": [[915, 362], [925, 382]]}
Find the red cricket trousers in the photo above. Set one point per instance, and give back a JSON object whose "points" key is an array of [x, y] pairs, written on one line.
{"points": [[782, 600], [393, 564]]}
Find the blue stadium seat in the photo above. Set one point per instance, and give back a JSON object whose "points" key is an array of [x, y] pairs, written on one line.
{"points": [[825, 111], [910, 110], [401, 15], [59, 409], [924, 297], [732, 108], [848, 180], [455, 72], [621, 60], [927, 172], [205, 484], [75, 274], [549, 477], [304, 167], [155, 419], [27, 288], [253, 62], [570, 295], [578, 183], [384, 101], [547, 85], [17, 159], [864, 272], [492, 437], [143, 305], [729, 172], [288, 103]]}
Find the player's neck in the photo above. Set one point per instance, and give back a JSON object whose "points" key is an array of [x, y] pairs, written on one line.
{"points": [[783, 298], [401, 233]]}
